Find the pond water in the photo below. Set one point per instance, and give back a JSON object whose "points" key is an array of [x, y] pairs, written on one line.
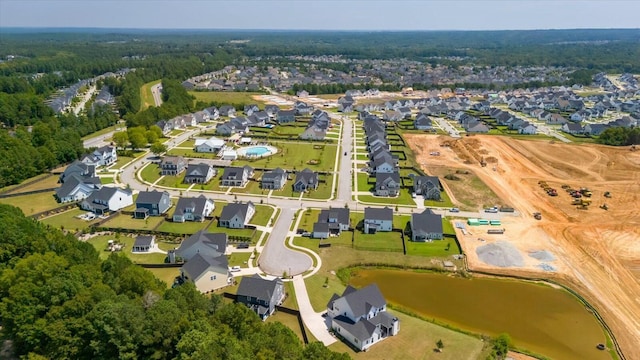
{"points": [[539, 318]]}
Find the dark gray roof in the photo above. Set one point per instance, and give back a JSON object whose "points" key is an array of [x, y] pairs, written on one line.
{"points": [[150, 197], [143, 240], [307, 176], [195, 203], [273, 174], [361, 300], [383, 318], [341, 214], [72, 182], [426, 222], [231, 172], [200, 169], [257, 287], [198, 264], [321, 227], [378, 214], [384, 177], [234, 209], [104, 194], [362, 330], [216, 241], [423, 180]]}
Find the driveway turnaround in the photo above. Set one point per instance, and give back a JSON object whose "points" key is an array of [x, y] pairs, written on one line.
{"points": [[313, 320], [276, 258]]}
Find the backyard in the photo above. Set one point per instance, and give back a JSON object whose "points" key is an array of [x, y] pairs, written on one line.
{"points": [[123, 221], [33, 203], [69, 220], [100, 243]]}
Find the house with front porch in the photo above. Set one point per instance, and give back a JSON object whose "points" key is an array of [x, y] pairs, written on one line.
{"points": [[152, 203], [106, 200], [273, 179], [331, 222], [193, 209], [236, 176], [427, 186], [172, 165], [387, 184], [305, 180], [236, 215], [102, 156], [360, 317], [199, 173]]}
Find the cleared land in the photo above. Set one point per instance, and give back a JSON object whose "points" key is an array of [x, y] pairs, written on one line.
{"points": [[597, 251], [33, 203], [228, 97]]}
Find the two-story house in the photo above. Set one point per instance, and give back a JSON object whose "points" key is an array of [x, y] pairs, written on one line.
{"points": [[426, 226], [236, 215], [172, 165], [236, 176], [152, 203], [377, 220], [331, 222], [107, 199], [273, 179], [193, 209], [305, 180], [261, 295], [360, 316], [199, 173]]}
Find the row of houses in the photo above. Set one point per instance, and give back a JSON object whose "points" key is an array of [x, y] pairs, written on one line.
{"points": [[382, 163], [575, 128], [317, 127], [513, 122]]}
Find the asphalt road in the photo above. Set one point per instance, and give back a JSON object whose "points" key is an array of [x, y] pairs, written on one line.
{"points": [[156, 91], [98, 141], [276, 258]]}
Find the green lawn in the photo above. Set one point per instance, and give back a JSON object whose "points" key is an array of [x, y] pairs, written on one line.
{"points": [[43, 181], [323, 191], [288, 320], [579, 138], [227, 97], [33, 203], [191, 153], [252, 187], [285, 130], [417, 340], [128, 222], [187, 227], [123, 160], [445, 201], [146, 97], [239, 259], [404, 198], [100, 244], [167, 275], [296, 155], [363, 182], [262, 215], [68, 220], [106, 130], [435, 248], [214, 228], [150, 173], [188, 143], [380, 241]]}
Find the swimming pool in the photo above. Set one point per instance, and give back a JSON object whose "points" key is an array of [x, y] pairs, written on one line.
{"points": [[257, 151]]}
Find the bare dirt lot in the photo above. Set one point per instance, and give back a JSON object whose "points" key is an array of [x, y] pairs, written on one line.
{"points": [[597, 251]]}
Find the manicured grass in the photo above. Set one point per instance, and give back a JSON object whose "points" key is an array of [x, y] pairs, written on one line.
{"points": [[123, 160], [175, 132], [214, 228], [187, 227], [33, 203], [323, 191], [174, 181], [104, 131], [296, 155], [252, 187], [239, 259], [363, 157], [37, 178], [262, 215], [167, 275], [43, 182], [578, 138], [445, 201], [107, 180], [191, 153], [380, 241], [150, 173], [68, 220], [404, 198], [128, 222], [363, 182], [417, 340], [188, 143], [284, 130], [231, 97], [434, 248], [146, 96], [100, 244], [288, 320]]}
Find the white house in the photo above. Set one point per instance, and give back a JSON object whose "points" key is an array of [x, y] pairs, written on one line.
{"points": [[360, 316], [107, 199], [528, 129], [237, 215], [211, 145]]}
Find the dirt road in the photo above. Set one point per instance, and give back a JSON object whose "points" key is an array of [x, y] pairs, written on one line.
{"points": [[597, 251]]}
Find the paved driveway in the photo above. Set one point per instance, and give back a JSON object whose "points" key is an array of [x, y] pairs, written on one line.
{"points": [[276, 258]]}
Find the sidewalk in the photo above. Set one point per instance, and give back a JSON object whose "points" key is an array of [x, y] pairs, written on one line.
{"points": [[313, 320]]}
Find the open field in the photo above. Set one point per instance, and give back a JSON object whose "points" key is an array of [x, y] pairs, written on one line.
{"points": [[146, 97], [228, 97], [68, 220], [33, 203], [296, 155], [597, 251], [166, 274], [128, 222], [469, 191], [40, 182]]}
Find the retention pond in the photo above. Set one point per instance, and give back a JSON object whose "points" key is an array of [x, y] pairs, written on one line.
{"points": [[538, 317]]}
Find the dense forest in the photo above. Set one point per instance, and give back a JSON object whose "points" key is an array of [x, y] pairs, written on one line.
{"points": [[39, 63], [60, 301]]}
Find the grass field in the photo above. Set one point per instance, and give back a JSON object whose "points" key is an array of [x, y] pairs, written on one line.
{"points": [[445, 201], [296, 155], [322, 192], [37, 178], [43, 182], [150, 173], [100, 244], [146, 97], [417, 340], [262, 215], [363, 182], [380, 241], [166, 274], [187, 227], [116, 127], [288, 320], [128, 222], [239, 259], [579, 138], [404, 198], [68, 220], [33, 203], [174, 181], [227, 97], [436, 248], [123, 160]]}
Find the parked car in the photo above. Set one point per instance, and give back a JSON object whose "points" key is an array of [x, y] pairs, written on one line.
{"points": [[306, 234], [242, 246], [234, 268], [455, 210]]}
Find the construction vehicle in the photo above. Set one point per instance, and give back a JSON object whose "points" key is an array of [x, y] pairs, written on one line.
{"points": [[537, 216], [586, 192], [607, 194], [581, 202], [552, 192], [482, 162], [583, 207], [604, 207], [565, 186]]}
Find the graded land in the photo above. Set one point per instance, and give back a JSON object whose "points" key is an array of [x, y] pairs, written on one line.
{"points": [[597, 251]]}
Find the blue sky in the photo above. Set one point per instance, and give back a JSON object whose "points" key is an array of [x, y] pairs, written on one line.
{"points": [[323, 14]]}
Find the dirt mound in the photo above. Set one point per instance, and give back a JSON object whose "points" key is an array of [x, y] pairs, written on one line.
{"points": [[542, 255]]}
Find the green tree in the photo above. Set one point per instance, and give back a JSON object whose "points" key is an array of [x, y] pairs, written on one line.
{"points": [[121, 139], [158, 148]]}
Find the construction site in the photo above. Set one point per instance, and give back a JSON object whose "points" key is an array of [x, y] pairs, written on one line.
{"points": [[577, 204]]}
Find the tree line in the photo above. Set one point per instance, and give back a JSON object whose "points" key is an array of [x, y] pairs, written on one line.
{"points": [[60, 301], [620, 136]]}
